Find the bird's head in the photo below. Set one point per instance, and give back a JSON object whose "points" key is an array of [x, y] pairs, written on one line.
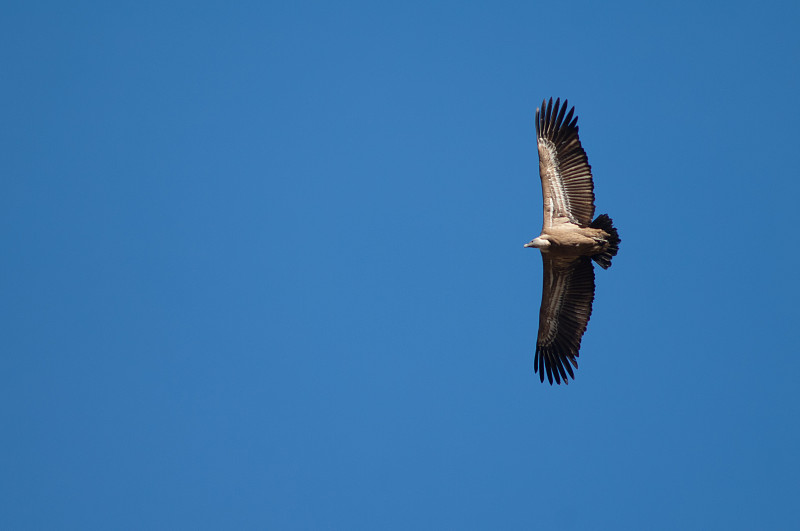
{"points": [[539, 243]]}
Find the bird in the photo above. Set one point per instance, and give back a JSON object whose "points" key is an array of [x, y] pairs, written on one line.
{"points": [[569, 242]]}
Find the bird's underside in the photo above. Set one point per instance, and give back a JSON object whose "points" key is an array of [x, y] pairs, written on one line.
{"points": [[570, 241], [566, 237]]}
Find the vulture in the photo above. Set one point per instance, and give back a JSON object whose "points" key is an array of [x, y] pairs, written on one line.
{"points": [[569, 242]]}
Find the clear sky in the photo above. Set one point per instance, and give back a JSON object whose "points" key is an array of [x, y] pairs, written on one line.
{"points": [[262, 266]]}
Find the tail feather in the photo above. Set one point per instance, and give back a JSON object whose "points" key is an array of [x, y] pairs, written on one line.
{"points": [[604, 222]]}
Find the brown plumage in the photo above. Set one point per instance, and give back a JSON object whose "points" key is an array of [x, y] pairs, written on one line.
{"points": [[569, 241]]}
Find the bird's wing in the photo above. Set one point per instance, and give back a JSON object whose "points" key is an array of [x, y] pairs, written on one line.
{"points": [[567, 187], [567, 297]]}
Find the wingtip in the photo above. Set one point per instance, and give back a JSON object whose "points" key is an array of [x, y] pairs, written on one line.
{"points": [[558, 367]]}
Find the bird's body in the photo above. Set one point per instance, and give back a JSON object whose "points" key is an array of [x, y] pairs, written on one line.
{"points": [[572, 239], [569, 241]]}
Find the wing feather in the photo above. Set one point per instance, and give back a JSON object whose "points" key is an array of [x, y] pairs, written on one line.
{"points": [[564, 168], [567, 297]]}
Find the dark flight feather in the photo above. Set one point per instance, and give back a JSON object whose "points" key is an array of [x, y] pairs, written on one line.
{"points": [[567, 295]]}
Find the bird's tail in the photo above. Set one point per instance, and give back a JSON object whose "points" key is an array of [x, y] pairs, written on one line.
{"points": [[604, 222]]}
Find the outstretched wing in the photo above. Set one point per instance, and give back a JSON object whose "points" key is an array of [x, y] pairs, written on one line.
{"points": [[567, 297], [567, 187]]}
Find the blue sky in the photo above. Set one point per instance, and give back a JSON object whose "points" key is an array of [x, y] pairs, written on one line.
{"points": [[263, 266]]}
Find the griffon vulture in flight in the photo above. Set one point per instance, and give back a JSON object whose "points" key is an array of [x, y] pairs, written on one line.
{"points": [[569, 241]]}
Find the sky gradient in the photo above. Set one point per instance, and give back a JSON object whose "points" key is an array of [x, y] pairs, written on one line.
{"points": [[263, 266]]}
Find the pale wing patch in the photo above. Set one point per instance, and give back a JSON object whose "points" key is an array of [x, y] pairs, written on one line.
{"points": [[558, 200]]}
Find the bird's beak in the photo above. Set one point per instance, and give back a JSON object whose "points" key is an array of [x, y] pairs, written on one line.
{"points": [[528, 245]]}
